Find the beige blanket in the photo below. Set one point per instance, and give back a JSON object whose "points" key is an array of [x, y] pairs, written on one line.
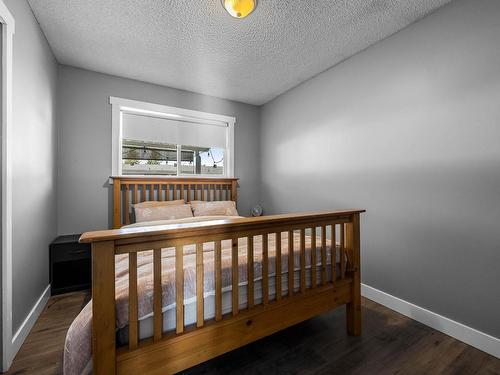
{"points": [[77, 350]]}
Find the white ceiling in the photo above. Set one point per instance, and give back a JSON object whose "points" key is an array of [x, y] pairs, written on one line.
{"points": [[195, 45]]}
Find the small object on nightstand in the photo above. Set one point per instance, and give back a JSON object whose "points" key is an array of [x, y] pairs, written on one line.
{"points": [[257, 211], [70, 264]]}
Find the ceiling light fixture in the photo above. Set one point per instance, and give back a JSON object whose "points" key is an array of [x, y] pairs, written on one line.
{"points": [[239, 8]]}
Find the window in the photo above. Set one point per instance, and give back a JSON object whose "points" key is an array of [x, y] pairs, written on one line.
{"points": [[151, 139]]}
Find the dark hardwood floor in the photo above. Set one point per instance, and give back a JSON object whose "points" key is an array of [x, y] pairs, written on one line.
{"points": [[42, 351], [390, 344]]}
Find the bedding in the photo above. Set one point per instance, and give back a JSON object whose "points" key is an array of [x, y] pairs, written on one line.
{"points": [[180, 221], [168, 212], [77, 349]]}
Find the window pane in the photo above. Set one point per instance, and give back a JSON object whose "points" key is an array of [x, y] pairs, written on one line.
{"points": [[150, 158], [202, 160], [187, 161]]}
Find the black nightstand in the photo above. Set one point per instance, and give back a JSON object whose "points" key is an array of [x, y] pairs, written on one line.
{"points": [[70, 265]]}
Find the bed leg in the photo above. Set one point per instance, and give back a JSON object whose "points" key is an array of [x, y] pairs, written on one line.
{"points": [[103, 308], [353, 309]]}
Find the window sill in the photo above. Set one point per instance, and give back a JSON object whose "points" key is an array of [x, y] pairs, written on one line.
{"points": [[171, 178]]}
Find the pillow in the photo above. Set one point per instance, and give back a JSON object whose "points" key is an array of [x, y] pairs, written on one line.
{"points": [[217, 208], [158, 203], [163, 212]]}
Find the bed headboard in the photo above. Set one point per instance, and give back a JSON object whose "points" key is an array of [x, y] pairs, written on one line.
{"points": [[134, 189]]}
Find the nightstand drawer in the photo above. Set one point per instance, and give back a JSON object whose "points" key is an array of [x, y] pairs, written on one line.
{"points": [[68, 252]]}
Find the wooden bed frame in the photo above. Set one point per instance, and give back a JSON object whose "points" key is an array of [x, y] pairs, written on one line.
{"points": [[167, 353]]}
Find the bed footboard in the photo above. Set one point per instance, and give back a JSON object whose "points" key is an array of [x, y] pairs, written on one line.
{"points": [[327, 286]]}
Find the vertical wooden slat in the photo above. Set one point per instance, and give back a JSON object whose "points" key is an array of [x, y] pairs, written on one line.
{"points": [[157, 296], [278, 265], [179, 288], [199, 285], [265, 269], [152, 192], [135, 194], [167, 192], [234, 277], [218, 281], [313, 257], [290, 263], [250, 275], [323, 255], [334, 253], [103, 308], [353, 309], [196, 186], [182, 190], [117, 203], [348, 246], [127, 205], [302, 261], [160, 192], [202, 192], [342, 251], [132, 302], [143, 191]]}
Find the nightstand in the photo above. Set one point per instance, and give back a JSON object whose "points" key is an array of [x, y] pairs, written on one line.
{"points": [[70, 264]]}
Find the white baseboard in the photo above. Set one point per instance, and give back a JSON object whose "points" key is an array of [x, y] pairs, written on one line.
{"points": [[468, 335], [29, 322]]}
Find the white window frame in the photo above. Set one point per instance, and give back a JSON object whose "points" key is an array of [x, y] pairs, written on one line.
{"points": [[121, 105]]}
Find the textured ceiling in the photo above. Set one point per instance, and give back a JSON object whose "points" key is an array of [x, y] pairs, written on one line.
{"points": [[195, 45]]}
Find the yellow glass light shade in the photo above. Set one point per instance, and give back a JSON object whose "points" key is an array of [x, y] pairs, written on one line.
{"points": [[239, 8]]}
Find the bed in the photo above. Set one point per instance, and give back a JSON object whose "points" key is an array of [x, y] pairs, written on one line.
{"points": [[169, 295]]}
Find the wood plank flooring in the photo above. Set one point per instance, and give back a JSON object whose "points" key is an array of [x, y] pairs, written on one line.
{"points": [[390, 344], [42, 351]]}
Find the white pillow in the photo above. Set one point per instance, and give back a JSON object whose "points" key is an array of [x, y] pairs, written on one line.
{"points": [[216, 208], [158, 203], [168, 212]]}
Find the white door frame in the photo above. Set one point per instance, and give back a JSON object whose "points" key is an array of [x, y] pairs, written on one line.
{"points": [[8, 27]]}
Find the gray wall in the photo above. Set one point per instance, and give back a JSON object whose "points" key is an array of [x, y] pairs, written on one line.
{"points": [[409, 129], [34, 160], [84, 126]]}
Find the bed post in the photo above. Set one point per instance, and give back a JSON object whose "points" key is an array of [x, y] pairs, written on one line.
{"points": [[234, 191], [103, 308], [117, 187], [353, 309]]}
